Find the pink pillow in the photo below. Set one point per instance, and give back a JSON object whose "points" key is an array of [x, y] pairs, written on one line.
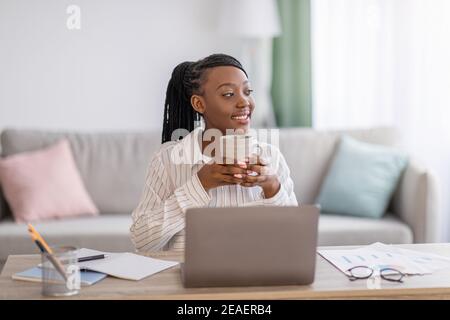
{"points": [[45, 184]]}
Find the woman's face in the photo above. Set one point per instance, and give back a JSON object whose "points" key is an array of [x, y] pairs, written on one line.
{"points": [[226, 102]]}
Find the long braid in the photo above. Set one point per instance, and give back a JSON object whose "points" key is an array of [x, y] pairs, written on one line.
{"points": [[185, 81]]}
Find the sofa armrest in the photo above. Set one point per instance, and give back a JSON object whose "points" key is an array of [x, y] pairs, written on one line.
{"points": [[416, 203]]}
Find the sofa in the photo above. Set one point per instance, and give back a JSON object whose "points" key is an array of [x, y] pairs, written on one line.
{"points": [[113, 166]]}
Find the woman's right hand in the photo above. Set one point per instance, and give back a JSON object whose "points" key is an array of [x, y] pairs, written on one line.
{"points": [[213, 175]]}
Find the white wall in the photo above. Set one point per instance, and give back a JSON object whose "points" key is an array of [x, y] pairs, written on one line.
{"points": [[109, 75]]}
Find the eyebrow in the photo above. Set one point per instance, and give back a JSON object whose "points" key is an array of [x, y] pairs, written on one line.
{"points": [[230, 84]]}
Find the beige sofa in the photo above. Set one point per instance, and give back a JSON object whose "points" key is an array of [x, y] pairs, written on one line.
{"points": [[113, 167]]}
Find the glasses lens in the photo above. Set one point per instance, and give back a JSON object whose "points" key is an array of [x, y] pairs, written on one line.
{"points": [[391, 274], [361, 272]]}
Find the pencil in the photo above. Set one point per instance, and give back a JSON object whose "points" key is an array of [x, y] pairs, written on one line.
{"points": [[45, 249], [38, 243], [89, 258], [37, 236], [57, 265]]}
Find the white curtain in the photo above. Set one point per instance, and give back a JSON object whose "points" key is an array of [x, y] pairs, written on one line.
{"points": [[387, 62]]}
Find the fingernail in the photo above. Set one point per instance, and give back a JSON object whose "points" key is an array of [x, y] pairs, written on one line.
{"points": [[238, 175]]}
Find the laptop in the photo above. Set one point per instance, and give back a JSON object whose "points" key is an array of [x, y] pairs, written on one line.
{"points": [[250, 246]]}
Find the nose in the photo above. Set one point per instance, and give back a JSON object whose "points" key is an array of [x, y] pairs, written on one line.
{"points": [[243, 102]]}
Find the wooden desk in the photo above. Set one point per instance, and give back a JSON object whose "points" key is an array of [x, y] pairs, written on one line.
{"points": [[329, 284]]}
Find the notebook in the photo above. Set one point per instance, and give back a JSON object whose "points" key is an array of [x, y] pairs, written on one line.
{"points": [[125, 265], [35, 274]]}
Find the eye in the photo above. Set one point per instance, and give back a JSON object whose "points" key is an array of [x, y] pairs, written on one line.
{"points": [[249, 92], [228, 94]]}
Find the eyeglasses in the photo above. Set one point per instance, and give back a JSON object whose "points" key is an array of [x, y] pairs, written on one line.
{"points": [[365, 272]]}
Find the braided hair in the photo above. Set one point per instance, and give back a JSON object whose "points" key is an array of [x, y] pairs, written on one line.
{"points": [[185, 81]]}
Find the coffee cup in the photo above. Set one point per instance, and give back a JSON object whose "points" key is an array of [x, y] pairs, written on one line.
{"points": [[237, 147]]}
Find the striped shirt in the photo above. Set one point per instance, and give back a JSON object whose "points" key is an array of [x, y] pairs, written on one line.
{"points": [[171, 187]]}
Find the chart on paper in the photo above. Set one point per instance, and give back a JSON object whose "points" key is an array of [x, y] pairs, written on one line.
{"points": [[379, 256]]}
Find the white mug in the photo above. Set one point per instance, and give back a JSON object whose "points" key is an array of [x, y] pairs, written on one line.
{"points": [[237, 147]]}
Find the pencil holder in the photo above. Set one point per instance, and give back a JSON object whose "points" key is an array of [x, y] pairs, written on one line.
{"points": [[60, 272]]}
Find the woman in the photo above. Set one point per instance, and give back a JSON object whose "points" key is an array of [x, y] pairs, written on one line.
{"points": [[215, 88]]}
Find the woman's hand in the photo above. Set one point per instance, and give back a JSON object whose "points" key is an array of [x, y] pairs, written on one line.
{"points": [[260, 174], [213, 175]]}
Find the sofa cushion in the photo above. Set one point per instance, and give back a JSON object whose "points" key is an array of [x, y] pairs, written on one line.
{"points": [[45, 184], [112, 165], [336, 230], [309, 153], [105, 232], [361, 179], [4, 210]]}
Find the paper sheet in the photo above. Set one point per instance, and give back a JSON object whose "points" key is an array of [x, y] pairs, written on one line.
{"points": [[378, 256]]}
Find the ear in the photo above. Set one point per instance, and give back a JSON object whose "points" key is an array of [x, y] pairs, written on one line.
{"points": [[198, 103]]}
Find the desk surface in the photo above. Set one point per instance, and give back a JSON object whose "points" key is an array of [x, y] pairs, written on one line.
{"points": [[329, 283]]}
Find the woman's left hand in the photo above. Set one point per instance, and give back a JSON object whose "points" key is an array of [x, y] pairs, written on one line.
{"points": [[260, 174]]}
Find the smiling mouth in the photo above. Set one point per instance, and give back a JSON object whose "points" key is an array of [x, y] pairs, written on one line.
{"points": [[241, 116], [244, 117]]}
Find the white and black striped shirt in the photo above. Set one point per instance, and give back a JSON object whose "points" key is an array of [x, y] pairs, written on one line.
{"points": [[172, 187]]}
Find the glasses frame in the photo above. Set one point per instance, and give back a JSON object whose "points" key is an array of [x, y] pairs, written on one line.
{"points": [[353, 278]]}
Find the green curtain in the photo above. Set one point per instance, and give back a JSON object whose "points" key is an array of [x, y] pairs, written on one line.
{"points": [[291, 76]]}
